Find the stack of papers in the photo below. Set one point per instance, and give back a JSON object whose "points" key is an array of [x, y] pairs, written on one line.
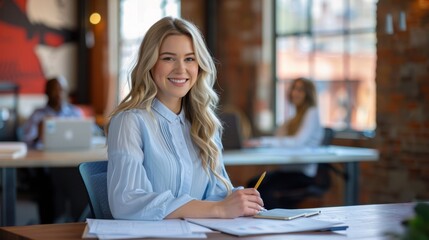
{"points": [[128, 229], [12, 150], [246, 226], [196, 227]]}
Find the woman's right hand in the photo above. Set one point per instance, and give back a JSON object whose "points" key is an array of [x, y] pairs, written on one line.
{"points": [[243, 202]]}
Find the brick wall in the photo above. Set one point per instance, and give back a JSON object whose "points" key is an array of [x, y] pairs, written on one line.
{"points": [[238, 47], [238, 43], [402, 80]]}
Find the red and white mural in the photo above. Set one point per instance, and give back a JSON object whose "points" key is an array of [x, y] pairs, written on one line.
{"points": [[38, 40]]}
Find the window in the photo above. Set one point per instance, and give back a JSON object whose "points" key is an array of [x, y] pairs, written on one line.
{"points": [[334, 44], [136, 17]]}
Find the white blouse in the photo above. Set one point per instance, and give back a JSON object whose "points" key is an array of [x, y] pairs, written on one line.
{"points": [[310, 134]]}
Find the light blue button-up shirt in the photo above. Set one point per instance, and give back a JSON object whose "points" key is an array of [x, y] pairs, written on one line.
{"points": [[154, 167]]}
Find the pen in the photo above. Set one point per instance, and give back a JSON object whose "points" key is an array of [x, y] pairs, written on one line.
{"points": [[311, 214], [260, 180]]}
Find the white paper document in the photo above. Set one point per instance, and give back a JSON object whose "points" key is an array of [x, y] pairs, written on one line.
{"points": [[120, 229], [12, 150], [252, 226]]}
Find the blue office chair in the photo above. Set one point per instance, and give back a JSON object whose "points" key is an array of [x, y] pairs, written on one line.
{"points": [[322, 181], [94, 176], [324, 185]]}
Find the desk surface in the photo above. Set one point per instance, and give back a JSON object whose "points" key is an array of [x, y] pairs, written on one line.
{"points": [[323, 154], [255, 156], [258, 156], [39, 158], [364, 221]]}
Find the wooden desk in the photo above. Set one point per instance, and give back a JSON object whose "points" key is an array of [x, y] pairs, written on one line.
{"points": [[258, 156], [364, 221], [350, 156], [36, 158]]}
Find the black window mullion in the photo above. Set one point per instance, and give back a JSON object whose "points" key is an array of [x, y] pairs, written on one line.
{"points": [[346, 65], [274, 62], [312, 40]]}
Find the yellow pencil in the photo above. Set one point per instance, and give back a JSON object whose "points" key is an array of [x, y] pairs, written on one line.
{"points": [[260, 180]]}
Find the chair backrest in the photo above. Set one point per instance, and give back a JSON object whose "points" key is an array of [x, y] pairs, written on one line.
{"points": [[232, 135], [328, 136], [94, 176], [326, 141], [9, 118], [322, 179]]}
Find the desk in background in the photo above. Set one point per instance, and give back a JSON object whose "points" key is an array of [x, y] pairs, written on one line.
{"points": [[36, 158], [364, 221], [350, 156], [257, 156]]}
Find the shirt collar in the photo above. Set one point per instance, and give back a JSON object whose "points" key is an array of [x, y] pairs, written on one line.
{"points": [[64, 108], [165, 112]]}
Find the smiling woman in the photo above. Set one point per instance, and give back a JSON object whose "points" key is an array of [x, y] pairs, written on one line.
{"points": [[164, 143], [176, 70]]}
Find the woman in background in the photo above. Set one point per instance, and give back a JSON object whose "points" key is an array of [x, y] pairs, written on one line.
{"points": [[302, 129], [164, 145]]}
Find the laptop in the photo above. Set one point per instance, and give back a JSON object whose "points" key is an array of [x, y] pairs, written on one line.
{"points": [[231, 136], [67, 133]]}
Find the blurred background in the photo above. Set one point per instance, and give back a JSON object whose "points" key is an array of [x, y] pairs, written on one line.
{"points": [[369, 60]]}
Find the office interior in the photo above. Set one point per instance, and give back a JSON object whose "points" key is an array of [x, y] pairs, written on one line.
{"points": [[380, 78]]}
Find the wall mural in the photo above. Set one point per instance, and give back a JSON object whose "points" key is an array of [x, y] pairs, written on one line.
{"points": [[38, 40]]}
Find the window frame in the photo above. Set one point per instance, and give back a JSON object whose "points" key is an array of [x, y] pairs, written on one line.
{"points": [[126, 62], [346, 33]]}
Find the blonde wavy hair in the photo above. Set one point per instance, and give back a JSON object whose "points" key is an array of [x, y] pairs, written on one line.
{"points": [[200, 103]]}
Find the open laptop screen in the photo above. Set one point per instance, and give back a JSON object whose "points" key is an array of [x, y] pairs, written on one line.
{"points": [[67, 133]]}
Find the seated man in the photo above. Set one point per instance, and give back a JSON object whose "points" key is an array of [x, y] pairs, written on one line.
{"points": [[59, 192], [57, 106]]}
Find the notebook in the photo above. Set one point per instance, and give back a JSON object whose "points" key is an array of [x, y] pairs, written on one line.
{"points": [[231, 136], [286, 214], [67, 133]]}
